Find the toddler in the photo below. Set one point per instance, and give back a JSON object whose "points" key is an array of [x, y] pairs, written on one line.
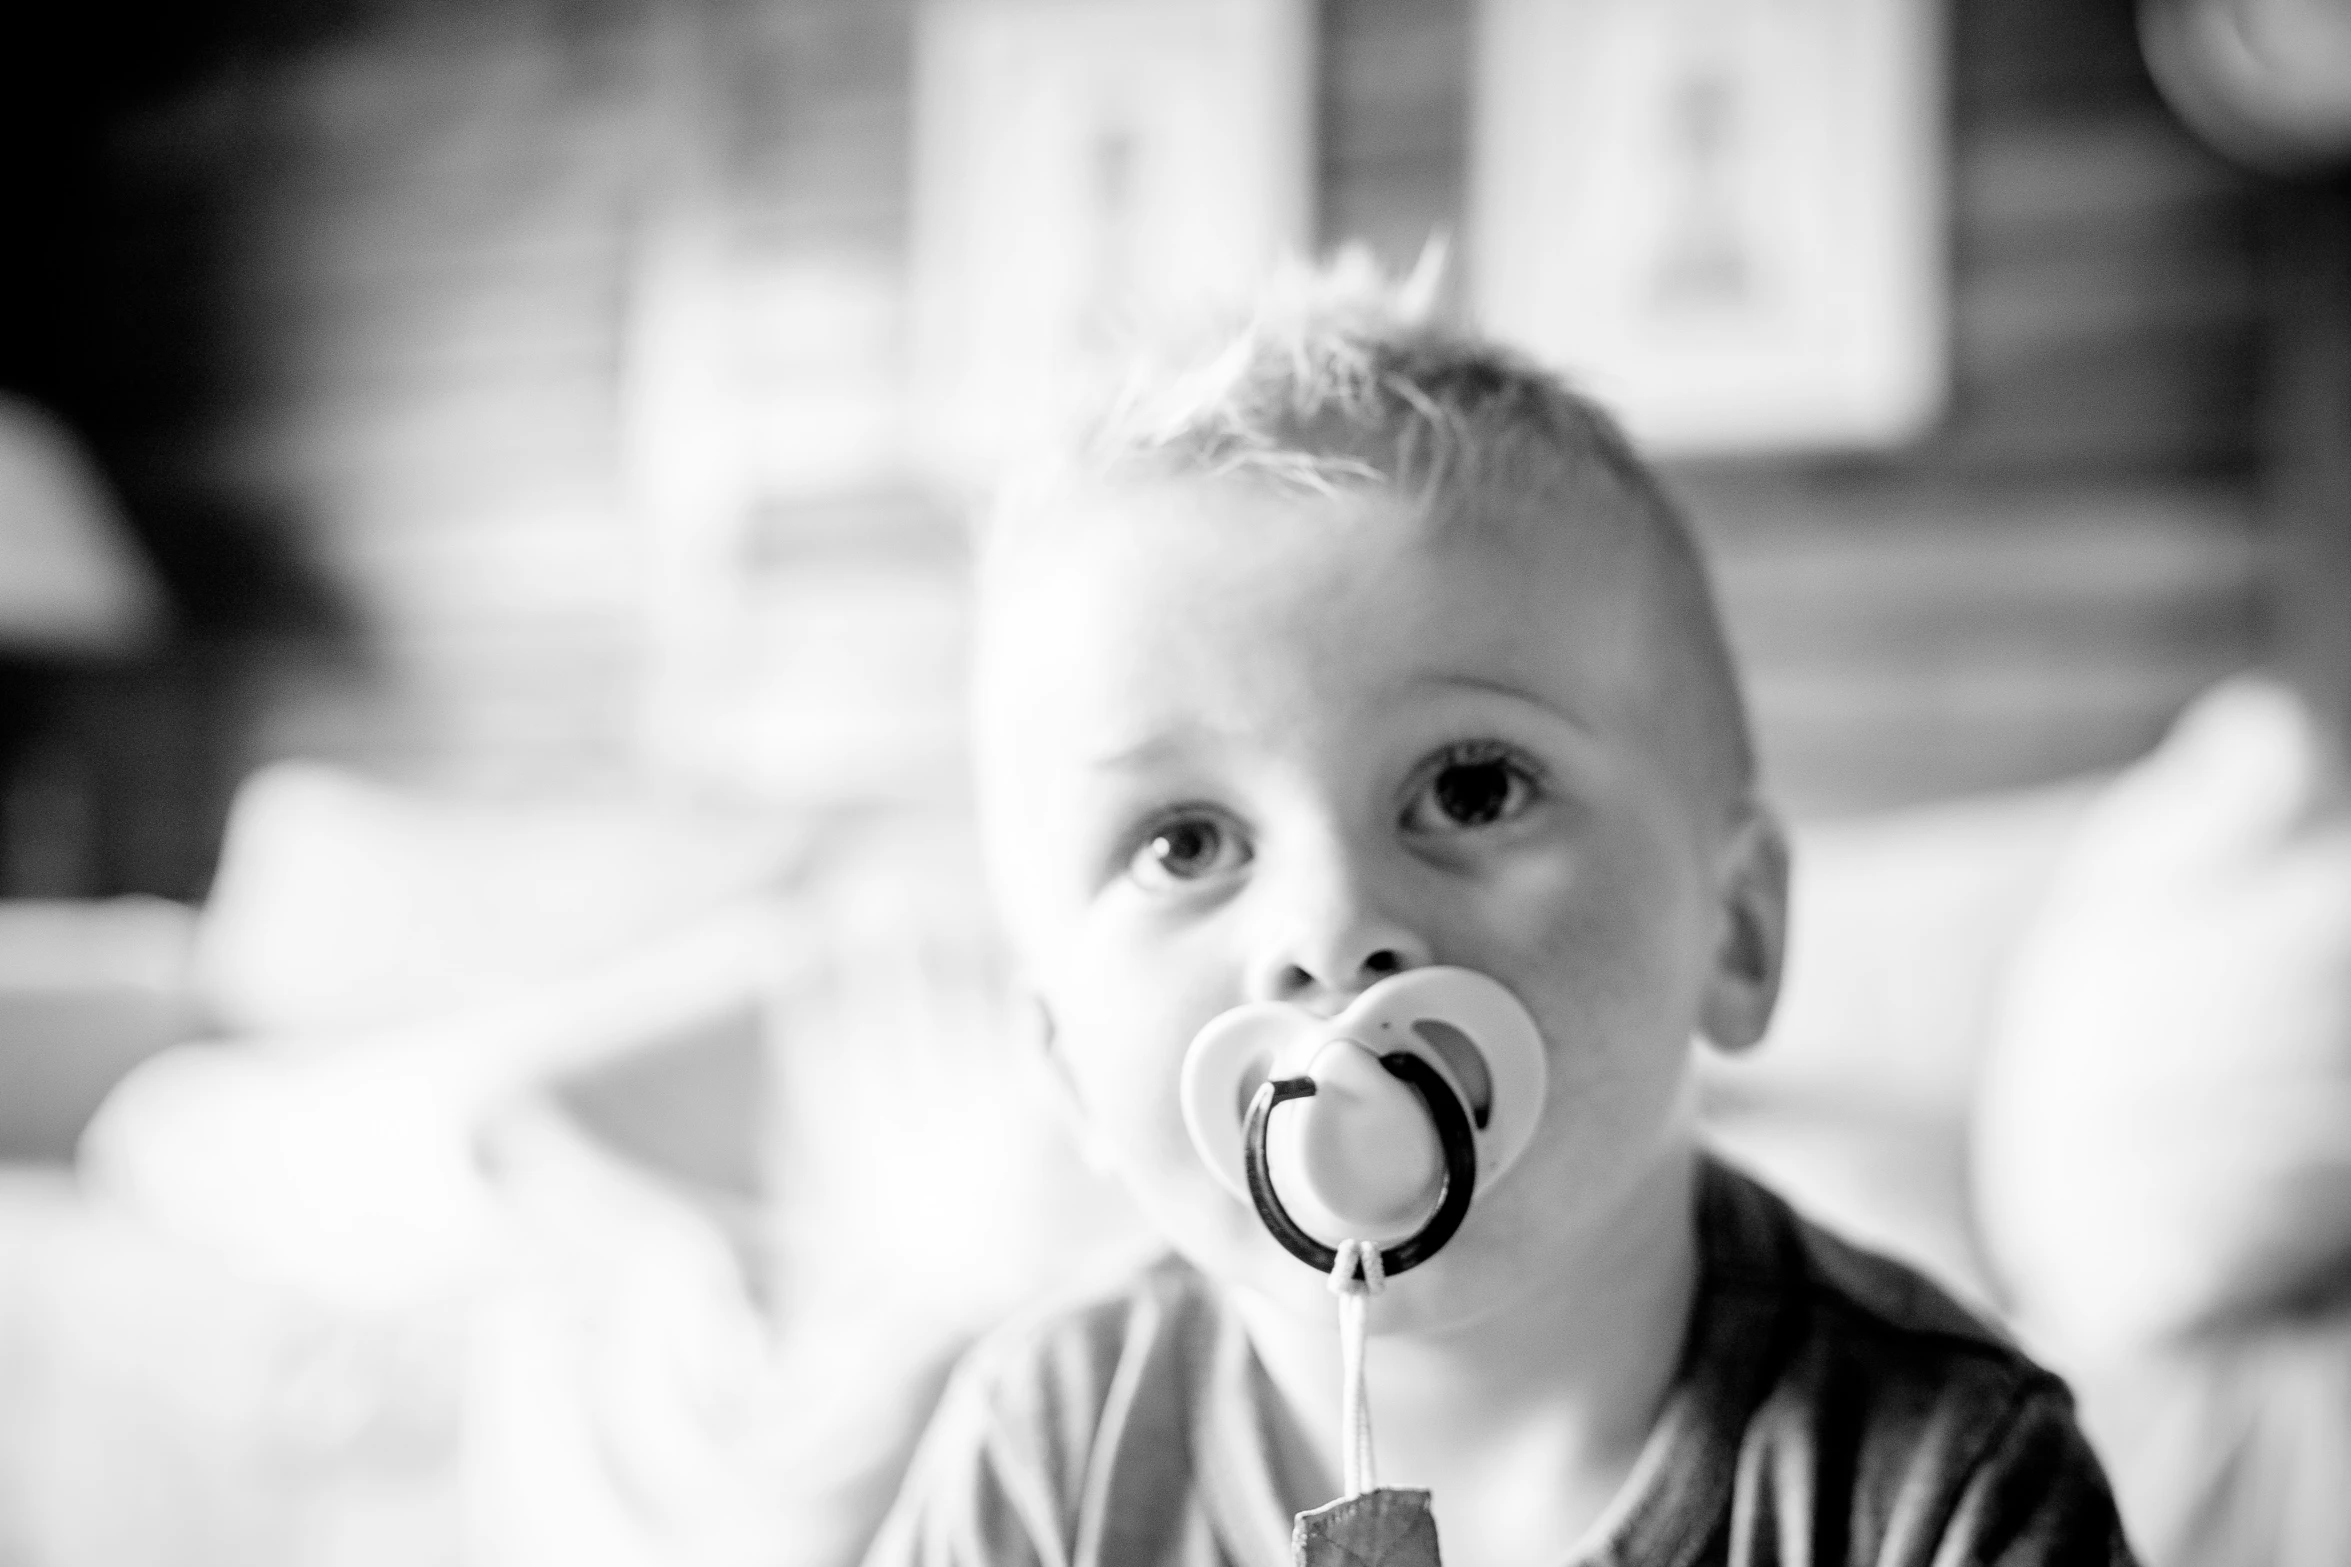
{"points": [[1362, 647]]}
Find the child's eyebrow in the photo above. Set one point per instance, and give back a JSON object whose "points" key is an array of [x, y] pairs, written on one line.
{"points": [[1519, 696], [1156, 750]]}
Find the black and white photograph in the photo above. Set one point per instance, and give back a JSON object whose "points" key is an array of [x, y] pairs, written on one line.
{"points": [[1176, 783]]}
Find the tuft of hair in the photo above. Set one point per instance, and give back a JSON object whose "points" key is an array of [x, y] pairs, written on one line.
{"points": [[1340, 377]]}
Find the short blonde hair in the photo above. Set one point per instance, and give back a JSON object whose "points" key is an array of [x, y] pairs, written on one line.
{"points": [[1341, 380]]}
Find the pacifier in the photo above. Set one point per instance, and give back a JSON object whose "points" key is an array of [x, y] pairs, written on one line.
{"points": [[1372, 1129]]}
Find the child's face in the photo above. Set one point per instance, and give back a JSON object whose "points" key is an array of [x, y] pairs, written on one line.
{"points": [[1239, 748]]}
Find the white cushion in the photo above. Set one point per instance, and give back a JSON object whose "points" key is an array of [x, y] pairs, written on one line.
{"points": [[342, 904], [634, 1404], [1901, 926], [2163, 1135]]}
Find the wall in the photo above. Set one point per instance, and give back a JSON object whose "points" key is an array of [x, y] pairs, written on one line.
{"points": [[532, 322]]}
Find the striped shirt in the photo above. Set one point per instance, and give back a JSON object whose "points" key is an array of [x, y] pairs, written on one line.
{"points": [[1831, 1407]]}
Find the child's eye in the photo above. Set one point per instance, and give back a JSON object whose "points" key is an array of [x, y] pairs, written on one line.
{"points": [[1187, 848], [1471, 786]]}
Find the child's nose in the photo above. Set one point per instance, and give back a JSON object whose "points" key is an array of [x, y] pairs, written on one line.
{"points": [[1340, 949]]}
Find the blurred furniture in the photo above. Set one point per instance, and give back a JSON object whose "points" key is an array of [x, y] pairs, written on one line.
{"points": [[2162, 1134], [587, 1183], [249, 1306], [88, 990], [343, 909]]}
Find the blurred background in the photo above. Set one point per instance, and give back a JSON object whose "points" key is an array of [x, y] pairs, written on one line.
{"points": [[482, 493]]}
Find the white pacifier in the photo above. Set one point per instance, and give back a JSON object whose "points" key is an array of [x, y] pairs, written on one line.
{"points": [[1422, 1092]]}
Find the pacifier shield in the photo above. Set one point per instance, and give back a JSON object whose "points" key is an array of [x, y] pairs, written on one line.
{"points": [[1476, 1040]]}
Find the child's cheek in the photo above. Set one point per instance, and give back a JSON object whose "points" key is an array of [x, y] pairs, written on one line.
{"points": [[1588, 937], [1126, 1024]]}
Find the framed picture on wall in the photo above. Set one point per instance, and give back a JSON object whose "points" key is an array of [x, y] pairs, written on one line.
{"points": [[1724, 218], [1081, 162]]}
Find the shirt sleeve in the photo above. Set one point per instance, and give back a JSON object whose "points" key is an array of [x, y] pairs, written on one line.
{"points": [[2036, 1498]]}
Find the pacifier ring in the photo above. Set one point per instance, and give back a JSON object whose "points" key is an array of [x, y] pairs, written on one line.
{"points": [[1453, 1137]]}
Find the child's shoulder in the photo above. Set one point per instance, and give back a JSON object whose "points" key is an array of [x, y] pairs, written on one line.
{"points": [[1904, 1412], [1116, 1369], [1851, 1300], [1097, 1404], [1842, 1384]]}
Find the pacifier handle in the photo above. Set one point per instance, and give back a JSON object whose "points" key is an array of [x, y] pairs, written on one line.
{"points": [[1453, 1138]]}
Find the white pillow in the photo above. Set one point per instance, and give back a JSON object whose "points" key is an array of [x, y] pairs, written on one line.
{"points": [[342, 904], [1855, 1106], [633, 1405], [2163, 1136], [1900, 925]]}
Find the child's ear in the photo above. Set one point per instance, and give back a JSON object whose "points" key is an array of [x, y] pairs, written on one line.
{"points": [[1746, 981], [1068, 1104]]}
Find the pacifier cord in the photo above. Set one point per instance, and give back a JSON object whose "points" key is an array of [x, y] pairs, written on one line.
{"points": [[1355, 1278]]}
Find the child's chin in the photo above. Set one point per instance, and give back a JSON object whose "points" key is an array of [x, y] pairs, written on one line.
{"points": [[1447, 1293]]}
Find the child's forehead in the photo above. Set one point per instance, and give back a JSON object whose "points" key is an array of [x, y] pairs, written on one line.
{"points": [[1248, 590], [1189, 569]]}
